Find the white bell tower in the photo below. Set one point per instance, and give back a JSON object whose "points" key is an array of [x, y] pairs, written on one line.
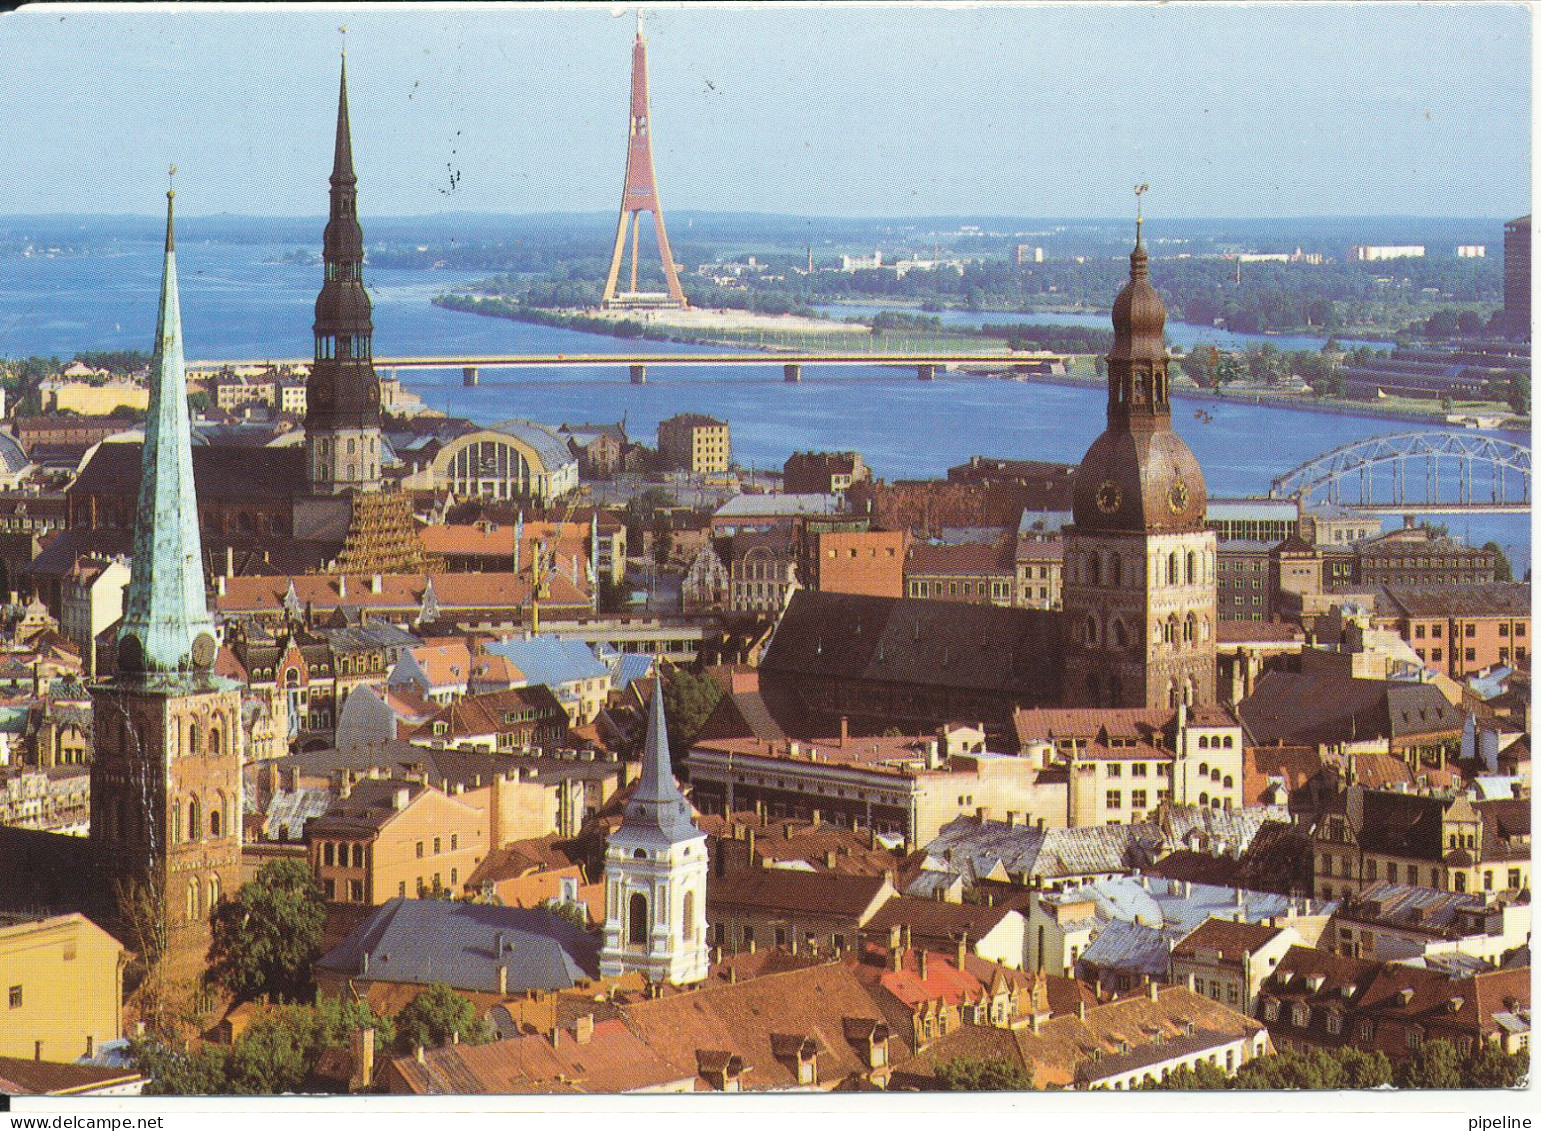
{"points": [[655, 876]]}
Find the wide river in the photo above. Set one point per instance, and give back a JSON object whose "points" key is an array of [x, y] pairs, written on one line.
{"points": [[237, 303]]}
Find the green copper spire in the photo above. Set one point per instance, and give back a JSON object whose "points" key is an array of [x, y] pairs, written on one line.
{"points": [[166, 625]]}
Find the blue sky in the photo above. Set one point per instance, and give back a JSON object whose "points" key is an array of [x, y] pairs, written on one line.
{"points": [[1291, 110]]}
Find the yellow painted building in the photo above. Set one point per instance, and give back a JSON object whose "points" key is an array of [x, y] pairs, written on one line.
{"points": [[94, 400], [699, 444], [61, 988], [388, 839]]}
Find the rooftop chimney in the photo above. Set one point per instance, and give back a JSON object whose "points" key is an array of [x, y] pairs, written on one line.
{"points": [[376, 584], [845, 730], [583, 1029], [400, 797], [920, 957], [363, 1042], [1153, 990], [502, 977]]}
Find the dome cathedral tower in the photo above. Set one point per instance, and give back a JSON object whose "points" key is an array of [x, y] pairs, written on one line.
{"points": [[1139, 592]]}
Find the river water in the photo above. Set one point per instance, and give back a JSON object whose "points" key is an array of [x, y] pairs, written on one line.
{"points": [[237, 303]]}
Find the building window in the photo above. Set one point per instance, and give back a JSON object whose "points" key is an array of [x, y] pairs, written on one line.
{"points": [[438, 845], [1137, 799], [636, 920], [1115, 770], [454, 841], [419, 850], [15, 997], [1300, 1015], [1115, 799]]}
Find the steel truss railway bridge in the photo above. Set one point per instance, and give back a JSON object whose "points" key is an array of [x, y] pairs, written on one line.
{"points": [[1416, 473]]}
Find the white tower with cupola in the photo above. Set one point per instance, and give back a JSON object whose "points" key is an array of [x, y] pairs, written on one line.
{"points": [[655, 876]]}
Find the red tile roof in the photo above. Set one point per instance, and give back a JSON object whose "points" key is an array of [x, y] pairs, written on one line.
{"points": [[610, 1059], [455, 591]]}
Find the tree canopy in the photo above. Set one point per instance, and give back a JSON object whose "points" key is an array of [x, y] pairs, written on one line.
{"points": [[979, 1074], [277, 1054], [265, 939], [1437, 1064], [435, 1016], [688, 699]]}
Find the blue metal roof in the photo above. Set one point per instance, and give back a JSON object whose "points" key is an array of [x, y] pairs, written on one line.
{"points": [[550, 446], [549, 661], [632, 667]]}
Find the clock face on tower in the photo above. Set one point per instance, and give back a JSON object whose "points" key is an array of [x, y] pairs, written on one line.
{"points": [[1177, 497], [1108, 496]]}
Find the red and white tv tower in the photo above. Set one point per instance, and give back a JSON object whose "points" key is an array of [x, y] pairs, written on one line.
{"points": [[640, 195]]}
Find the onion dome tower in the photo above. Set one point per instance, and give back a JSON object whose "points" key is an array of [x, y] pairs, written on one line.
{"points": [[1139, 591], [655, 875], [342, 405]]}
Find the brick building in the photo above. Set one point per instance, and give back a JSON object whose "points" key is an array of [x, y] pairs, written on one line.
{"points": [[1460, 630], [975, 572], [823, 473], [864, 562]]}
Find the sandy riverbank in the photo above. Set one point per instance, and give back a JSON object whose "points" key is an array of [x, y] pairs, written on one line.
{"points": [[731, 321]]}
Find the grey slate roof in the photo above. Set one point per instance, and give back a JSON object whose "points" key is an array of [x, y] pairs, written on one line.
{"points": [[1131, 947], [424, 941], [1015, 652], [1302, 708], [974, 849], [289, 809], [548, 444]]}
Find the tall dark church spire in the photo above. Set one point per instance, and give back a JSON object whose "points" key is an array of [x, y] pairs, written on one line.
{"points": [[342, 414]]}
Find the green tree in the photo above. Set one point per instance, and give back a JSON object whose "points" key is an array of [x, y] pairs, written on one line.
{"points": [[1519, 394], [689, 698], [1203, 1077], [176, 1072], [976, 1074], [265, 939], [1491, 1067], [1227, 370], [1469, 322], [1364, 1069], [1436, 1064], [275, 1055], [437, 1014], [1502, 570], [575, 913], [1442, 324]]}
